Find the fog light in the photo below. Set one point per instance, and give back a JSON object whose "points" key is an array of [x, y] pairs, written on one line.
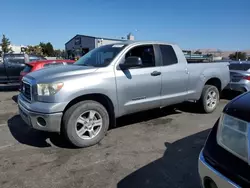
{"points": [[41, 121], [209, 183]]}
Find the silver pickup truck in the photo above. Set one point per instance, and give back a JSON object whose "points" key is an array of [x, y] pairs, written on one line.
{"points": [[84, 99]]}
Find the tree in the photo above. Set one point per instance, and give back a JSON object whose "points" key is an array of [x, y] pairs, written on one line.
{"points": [[5, 44], [47, 49], [35, 50], [197, 52], [238, 56], [58, 53]]}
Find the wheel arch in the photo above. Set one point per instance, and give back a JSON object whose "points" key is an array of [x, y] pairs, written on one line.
{"points": [[214, 81], [101, 98]]}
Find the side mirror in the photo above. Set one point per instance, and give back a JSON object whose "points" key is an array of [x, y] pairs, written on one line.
{"points": [[132, 61]]}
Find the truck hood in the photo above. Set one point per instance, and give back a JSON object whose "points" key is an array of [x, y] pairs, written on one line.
{"points": [[53, 73]]}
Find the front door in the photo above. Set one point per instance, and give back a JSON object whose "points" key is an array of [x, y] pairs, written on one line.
{"points": [[139, 88]]}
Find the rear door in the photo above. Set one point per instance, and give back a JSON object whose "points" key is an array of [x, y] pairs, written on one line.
{"points": [[174, 76], [14, 65]]}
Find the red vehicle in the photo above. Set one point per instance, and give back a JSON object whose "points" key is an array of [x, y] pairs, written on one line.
{"points": [[36, 65]]}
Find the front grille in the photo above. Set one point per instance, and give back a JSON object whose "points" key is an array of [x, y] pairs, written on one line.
{"points": [[26, 90]]}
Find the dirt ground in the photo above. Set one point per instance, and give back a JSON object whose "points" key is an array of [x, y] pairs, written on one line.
{"points": [[157, 148]]}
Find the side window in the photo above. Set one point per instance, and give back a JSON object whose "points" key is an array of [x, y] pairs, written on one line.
{"points": [[16, 61], [145, 52], [168, 55]]}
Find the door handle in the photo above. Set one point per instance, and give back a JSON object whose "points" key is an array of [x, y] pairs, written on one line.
{"points": [[155, 73]]}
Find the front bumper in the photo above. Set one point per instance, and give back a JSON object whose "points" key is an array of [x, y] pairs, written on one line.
{"points": [[50, 122], [208, 172]]}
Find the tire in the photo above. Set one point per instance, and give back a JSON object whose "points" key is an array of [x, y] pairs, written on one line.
{"points": [[71, 118], [208, 89]]}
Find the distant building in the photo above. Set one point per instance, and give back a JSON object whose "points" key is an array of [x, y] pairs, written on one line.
{"points": [[81, 44], [16, 48]]}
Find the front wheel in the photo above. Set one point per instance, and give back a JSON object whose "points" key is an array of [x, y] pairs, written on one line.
{"points": [[85, 123], [209, 98]]}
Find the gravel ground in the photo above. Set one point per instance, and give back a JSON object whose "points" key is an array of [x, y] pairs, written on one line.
{"points": [[157, 148]]}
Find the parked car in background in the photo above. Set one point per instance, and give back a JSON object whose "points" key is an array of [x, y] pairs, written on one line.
{"points": [[224, 160], [83, 100], [12, 65], [239, 76], [36, 65]]}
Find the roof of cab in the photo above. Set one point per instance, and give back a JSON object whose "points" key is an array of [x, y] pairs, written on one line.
{"points": [[128, 42]]}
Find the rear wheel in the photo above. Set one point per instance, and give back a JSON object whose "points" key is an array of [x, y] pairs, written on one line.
{"points": [[85, 123], [209, 98]]}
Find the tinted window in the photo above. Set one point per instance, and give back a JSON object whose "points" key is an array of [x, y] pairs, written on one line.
{"points": [[13, 56], [15, 60], [146, 53], [168, 55], [35, 58], [27, 68]]}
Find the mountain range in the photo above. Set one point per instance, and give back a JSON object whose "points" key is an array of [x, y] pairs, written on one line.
{"points": [[218, 52]]}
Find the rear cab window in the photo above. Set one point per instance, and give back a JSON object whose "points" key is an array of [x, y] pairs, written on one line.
{"points": [[168, 55]]}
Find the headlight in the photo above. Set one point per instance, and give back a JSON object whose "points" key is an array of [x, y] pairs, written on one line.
{"points": [[232, 135], [48, 89]]}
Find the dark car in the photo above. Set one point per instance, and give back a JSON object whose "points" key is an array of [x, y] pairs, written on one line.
{"points": [[12, 65], [225, 158]]}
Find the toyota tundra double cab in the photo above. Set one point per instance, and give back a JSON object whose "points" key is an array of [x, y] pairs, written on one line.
{"points": [[84, 99]]}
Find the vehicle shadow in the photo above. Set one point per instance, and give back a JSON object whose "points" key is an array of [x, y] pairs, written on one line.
{"points": [[14, 98], [229, 95], [7, 88], [177, 168], [145, 116], [189, 107], [26, 135], [148, 115]]}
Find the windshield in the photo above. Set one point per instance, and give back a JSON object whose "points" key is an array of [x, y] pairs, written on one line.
{"points": [[100, 57]]}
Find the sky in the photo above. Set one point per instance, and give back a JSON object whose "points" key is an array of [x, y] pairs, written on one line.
{"points": [[193, 24]]}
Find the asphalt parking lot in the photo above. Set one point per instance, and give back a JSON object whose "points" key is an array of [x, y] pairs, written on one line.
{"points": [[157, 148]]}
